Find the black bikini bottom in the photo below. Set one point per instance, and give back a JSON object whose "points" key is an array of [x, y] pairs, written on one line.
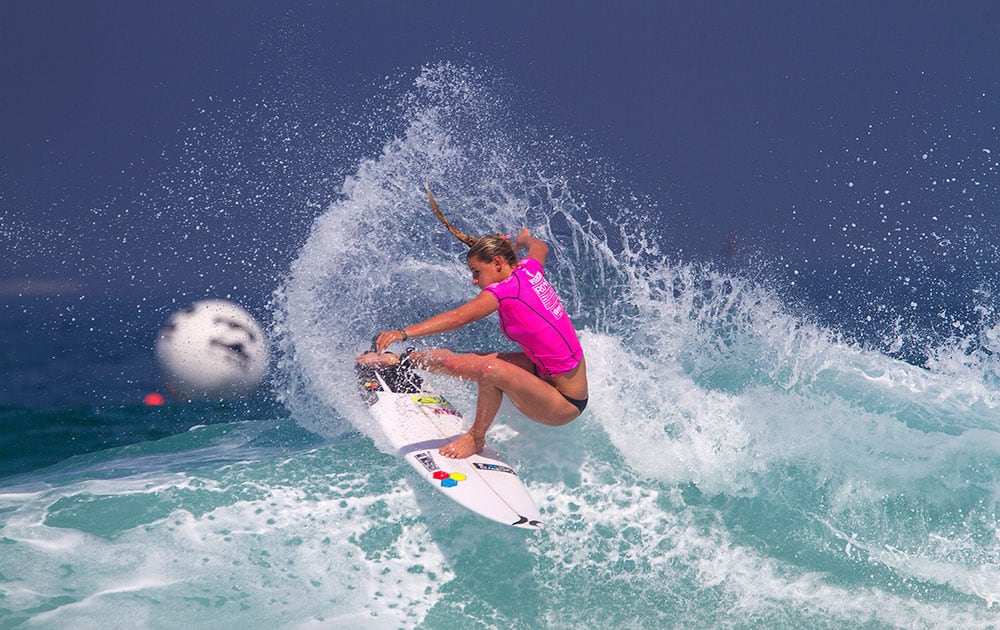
{"points": [[576, 402]]}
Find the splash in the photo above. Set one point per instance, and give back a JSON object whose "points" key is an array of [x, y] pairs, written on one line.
{"points": [[732, 419], [378, 258], [895, 229]]}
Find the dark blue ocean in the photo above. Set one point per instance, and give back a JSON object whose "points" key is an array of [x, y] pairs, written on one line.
{"points": [[798, 428]]}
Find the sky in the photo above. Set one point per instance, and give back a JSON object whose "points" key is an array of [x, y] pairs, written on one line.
{"points": [[721, 107]]}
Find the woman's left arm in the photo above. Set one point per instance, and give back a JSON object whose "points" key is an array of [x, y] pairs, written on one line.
{"points": [[536, 247]]}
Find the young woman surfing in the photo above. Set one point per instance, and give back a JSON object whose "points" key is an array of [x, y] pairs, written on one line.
{"points": [[546, 381]]}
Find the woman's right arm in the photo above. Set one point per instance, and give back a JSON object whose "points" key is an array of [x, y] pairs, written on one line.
{"points": [[472, 311]]}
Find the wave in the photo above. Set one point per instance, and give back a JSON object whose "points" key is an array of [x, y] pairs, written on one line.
{"points": [[741, 457], [734, 435]]}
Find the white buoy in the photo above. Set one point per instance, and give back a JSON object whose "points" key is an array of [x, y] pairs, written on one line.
{"points": [[212, 349]]}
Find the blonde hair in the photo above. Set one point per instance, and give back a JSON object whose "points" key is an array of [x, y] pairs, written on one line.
{"points": [[485, 248]]}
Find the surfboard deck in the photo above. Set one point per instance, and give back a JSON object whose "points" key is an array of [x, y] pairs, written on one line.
{"points": [[418, 421]]}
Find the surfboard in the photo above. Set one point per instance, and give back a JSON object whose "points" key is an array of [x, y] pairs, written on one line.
{"points": [[418, 421]]}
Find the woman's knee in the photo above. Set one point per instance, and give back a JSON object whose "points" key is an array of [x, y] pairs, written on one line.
{"points": [[493, 370]]}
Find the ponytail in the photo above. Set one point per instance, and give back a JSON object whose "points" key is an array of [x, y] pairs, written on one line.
{"points": [[485, 248]]}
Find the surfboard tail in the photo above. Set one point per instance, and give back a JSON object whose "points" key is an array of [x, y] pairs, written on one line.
{"points": [[528, 524]]}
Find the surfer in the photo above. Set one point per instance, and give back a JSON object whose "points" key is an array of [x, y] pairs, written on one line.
{"points": [[546, 381]]}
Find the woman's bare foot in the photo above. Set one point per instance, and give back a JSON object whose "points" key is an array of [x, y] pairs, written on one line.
{"points": [[463, 447], [378, 359]]}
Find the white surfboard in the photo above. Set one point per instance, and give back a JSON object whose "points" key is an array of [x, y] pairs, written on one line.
{"points": [[418, 421]]}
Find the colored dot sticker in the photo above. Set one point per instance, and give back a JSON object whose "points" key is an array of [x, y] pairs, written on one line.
{"points": [[448, 480]]}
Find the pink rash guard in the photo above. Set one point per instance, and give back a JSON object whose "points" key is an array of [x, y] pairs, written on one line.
{"points": [[532, 316]]}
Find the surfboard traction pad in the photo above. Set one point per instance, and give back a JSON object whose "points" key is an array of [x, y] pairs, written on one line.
{"points": [[400, 379]]}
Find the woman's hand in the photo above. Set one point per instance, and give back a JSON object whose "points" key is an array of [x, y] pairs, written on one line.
{"points": [[387, 337], [522, 239]]}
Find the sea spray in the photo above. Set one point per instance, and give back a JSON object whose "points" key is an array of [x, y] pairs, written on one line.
{"points": [[797, 447], [742, 461]]}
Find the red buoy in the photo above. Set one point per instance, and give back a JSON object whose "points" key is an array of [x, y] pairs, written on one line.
{"points": [[154, 399]]}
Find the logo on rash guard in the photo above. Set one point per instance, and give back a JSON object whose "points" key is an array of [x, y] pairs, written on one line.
{"points": [[546, 294]]}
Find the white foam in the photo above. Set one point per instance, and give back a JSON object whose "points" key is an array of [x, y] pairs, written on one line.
{"points": [[290, 553], [942, 561], [741, 399], [660, 421], [681, 559]]}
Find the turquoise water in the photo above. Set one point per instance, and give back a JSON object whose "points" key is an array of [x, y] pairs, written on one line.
{"points": [[741, 463]]}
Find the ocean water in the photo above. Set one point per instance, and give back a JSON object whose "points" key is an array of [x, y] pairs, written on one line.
{"points": [[773, 441]]}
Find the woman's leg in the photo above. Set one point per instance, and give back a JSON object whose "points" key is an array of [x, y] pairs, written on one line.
{"points": [[496, 374]]}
